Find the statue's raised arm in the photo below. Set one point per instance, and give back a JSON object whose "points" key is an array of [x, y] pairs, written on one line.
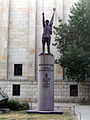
{"points": [[51, 22], [43, 19], [47, 32]]}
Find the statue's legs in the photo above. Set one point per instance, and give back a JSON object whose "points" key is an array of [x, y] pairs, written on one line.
{"points": [[43, 46], [48, 45]]}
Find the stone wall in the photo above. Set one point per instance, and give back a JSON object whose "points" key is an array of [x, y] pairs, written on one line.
{"points": [[20, 43], [21, 34], [21, 40], [29, 91], [4, 24]]}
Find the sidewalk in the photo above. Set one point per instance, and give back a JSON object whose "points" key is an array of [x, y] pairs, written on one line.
{"points": [[85, 111]]}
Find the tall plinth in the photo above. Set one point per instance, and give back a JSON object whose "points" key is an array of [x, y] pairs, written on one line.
{"points": [[46, 82]]}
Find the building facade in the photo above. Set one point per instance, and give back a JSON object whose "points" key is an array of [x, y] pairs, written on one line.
{"points": [[20, 45]]}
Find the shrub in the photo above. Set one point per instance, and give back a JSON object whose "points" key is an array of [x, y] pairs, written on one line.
{"points": [[16, 105], [24, 106]]}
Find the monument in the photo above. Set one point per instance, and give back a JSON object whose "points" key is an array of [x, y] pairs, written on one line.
{"points": [[46, 72], [46, 69], [3, 100]]}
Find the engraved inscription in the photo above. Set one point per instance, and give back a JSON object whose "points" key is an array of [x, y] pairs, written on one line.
{"points": [[47, 68], [46, 82]]}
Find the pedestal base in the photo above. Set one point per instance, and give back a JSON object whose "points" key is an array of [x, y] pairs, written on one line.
{"points": [[46, 82], [44, 112]]}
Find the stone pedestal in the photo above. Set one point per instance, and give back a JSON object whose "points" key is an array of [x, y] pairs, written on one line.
{"points": [[46, 82]]}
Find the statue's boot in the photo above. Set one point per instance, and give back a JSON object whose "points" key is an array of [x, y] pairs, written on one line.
{"points": [[48, 49], [43, 49]]}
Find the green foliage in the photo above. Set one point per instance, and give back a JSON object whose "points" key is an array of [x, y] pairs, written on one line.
{"points": [[16, 105], [73, 42], [76, 62], [25, 106]]}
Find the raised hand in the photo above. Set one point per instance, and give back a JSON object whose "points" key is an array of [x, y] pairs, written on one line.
{"points": [[54, 9], [43, 13]]}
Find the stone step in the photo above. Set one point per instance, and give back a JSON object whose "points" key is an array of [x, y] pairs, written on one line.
{"points": [[4, 110]]}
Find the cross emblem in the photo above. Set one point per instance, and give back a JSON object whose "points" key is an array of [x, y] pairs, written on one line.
{"points": [[46, 75]]}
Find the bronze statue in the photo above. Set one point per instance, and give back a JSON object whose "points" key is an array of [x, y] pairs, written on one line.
{"points": [[47, 32]]}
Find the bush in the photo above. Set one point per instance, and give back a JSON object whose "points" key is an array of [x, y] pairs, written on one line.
{"points": [[24, 106], [16, 105]]}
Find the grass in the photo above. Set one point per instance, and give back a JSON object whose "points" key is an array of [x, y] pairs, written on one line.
{"points": [[22, 115]]}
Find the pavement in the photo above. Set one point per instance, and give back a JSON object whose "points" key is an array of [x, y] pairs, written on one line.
{"points": [[82, 111]]}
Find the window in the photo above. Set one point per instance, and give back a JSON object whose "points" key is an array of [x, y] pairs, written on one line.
{"points": [[16, 89], [73, 90], [17, 69]]}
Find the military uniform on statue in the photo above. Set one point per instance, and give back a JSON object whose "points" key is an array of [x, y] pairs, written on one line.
{"points": [[47, 32]]}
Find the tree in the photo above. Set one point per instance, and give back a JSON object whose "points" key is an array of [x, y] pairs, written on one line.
{"points": [[72, 40]]}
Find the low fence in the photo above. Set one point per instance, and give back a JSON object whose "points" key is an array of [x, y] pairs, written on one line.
{"points": [[76, 112], [73, 109]]}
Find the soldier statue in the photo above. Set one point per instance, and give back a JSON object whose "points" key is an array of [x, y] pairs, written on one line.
{"points": [[47, 32]]}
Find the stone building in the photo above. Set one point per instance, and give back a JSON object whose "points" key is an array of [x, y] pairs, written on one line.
{"points": [[20, 45]]}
